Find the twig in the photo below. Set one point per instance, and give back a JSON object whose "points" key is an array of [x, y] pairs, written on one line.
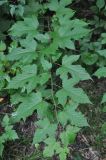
{"points": [[52, 93]]}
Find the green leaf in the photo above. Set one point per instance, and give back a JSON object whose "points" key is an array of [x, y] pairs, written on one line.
{"points": [[2, 46], [104, 98], [53, 5], [76, 94], [102, 52], [2, 2], [66, 34], [26, 55], [46, 64], [76, 71], [32, 8], [65, 3], [45, 129], [104, 108], [68, 136], [28, 105], [66, 42], [68, 13], [89, 58], [16, 98], [26, 27], [79, 72], [1, 148], [103, 35], [101, 72], [27, 79], [100, 3], [70, 59], [44, 38], [10, 134], [75, 117], [28, 43], [51, 147], [63, 154], [62, 96], [78, 33], [42, 109], [43, 78], [5, 121], [62, 117], [54, 147], [17, 10], [103, 128]]}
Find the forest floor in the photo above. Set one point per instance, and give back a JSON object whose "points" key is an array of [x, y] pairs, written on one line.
{"points": [[89, 145]]}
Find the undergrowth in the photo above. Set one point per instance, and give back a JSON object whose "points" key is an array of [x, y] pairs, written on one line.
{"points": [[44, 54]]}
